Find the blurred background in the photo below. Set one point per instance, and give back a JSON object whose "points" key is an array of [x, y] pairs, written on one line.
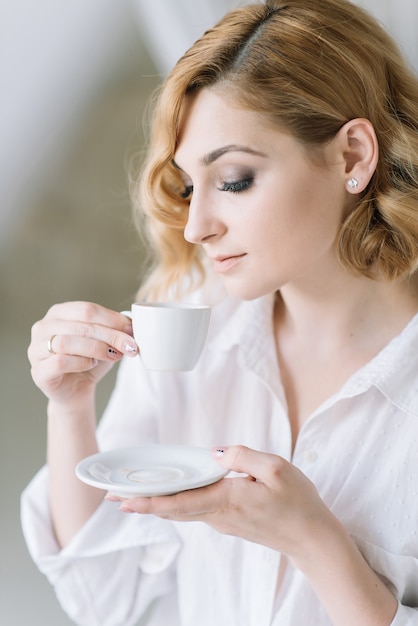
{"points": [[76, 79]]}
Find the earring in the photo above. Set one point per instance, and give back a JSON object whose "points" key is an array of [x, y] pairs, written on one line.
{"points": [[353, 183]]}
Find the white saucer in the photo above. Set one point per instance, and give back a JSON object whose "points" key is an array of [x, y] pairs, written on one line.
{"points": [[154, 470]]}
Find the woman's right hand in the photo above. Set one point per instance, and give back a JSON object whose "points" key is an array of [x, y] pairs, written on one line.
{"points": [[86, 339]]}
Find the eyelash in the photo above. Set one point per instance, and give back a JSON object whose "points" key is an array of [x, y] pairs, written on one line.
{"points": [[187, 192], [238, 186], [235, 187]]}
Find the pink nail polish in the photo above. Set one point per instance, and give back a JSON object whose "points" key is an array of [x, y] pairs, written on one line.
{"points": [[219, 452], [126, 509], [130, 347], [111, 498]]}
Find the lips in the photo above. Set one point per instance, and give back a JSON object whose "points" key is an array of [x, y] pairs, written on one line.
{"points": [[224, 263]]}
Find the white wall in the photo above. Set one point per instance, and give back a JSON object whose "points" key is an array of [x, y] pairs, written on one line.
{"points": [[54, 56]]}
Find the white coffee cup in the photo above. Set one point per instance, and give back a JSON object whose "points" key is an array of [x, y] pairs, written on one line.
{"points": [[170, 336]]}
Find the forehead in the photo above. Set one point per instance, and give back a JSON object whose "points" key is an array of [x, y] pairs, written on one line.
{"points": [[209, 120]]}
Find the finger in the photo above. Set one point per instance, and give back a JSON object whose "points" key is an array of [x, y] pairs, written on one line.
{"points": [[49, 371], [90, 313], [196, 503], [260, 465], [66, 364], [79, 346], [105, 344], [65, 337], [86, 315]]}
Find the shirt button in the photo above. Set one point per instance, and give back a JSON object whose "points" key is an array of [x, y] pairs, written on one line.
{"points": [[310, 456]]}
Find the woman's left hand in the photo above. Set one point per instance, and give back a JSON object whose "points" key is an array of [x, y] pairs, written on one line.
{"points": [[275, 505]]}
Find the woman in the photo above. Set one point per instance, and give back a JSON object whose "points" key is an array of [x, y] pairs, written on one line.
{"points": [[283, 162]]}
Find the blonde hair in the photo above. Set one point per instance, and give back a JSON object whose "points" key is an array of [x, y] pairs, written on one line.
{"points": [[309, 67]]}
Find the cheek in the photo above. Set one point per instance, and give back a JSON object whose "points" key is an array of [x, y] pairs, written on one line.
{"points": [[280, 223], [317, 207], [293, 229]]}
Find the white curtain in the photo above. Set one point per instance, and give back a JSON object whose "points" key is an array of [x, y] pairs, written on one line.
{"points": [[400, 17], [171, 26]]}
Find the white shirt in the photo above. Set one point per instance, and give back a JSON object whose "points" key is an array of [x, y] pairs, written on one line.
{"points": [[359, 448]]}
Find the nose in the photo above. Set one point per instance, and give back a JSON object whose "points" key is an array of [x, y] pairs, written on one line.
{"points": [[203, 223]]}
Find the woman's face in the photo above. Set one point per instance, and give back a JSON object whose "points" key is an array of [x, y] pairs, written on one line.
{"points": [[262, 211]]}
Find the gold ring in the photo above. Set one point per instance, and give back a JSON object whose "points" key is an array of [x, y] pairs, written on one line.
{"points": [[50, 340]]}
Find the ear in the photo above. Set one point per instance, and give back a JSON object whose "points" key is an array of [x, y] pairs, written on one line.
{"points": [[360, 150]]}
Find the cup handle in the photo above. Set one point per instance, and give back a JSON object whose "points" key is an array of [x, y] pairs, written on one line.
{"points": [[129, 315]]}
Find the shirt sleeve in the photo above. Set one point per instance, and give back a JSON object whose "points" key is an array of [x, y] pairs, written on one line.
{"points": [[405, 616], [400, 574], [131, 557]]}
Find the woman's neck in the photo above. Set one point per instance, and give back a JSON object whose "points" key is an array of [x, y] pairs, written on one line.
{"points": [[346, 309], [324, 335]]}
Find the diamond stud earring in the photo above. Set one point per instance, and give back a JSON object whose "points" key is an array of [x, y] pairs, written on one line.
{"points": [[353, 183]]}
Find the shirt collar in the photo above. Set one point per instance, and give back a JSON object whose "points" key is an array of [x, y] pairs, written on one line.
{"points": [[247, 327], [245, 323], [393, 371]]}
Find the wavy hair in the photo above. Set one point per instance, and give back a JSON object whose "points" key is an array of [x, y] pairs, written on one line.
{"points": [[311, 67]]}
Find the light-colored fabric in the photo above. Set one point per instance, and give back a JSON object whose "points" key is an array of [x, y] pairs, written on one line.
{"points": [[170, 28], [400, 18], [359, 448]]}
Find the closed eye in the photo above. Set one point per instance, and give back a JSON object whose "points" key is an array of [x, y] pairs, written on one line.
{"points": [[237, 186]]}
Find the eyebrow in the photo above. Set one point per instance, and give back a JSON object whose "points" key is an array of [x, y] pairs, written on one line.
{"points": [[211, 157]]}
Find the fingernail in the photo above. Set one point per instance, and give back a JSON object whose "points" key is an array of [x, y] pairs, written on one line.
{"points": [[94, 362], [126, 509], [130, 347], [219, 451], [112, 353], [111, 498]]}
